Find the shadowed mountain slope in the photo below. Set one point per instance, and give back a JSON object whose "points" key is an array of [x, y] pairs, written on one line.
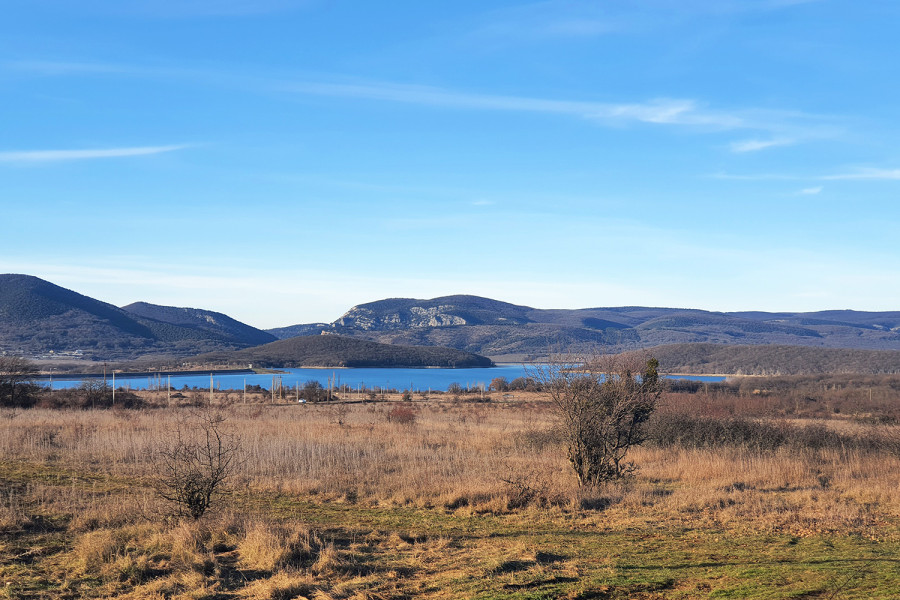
{"points": [[215, 324], [38, 317]]}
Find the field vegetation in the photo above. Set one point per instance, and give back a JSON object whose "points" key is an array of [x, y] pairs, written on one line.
{"points": [[777, 488]]}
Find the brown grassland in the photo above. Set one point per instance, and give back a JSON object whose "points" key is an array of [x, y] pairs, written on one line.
{"points": [[453, 498]]}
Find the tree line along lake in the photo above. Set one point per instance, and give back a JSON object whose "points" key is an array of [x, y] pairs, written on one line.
{"points": [[416, 380]]}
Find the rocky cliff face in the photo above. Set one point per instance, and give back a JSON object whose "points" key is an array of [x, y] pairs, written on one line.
{"points": [[368, 319], [499, 329]]}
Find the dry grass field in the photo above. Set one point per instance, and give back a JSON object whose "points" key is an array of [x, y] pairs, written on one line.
{"points": [[447, 499]]}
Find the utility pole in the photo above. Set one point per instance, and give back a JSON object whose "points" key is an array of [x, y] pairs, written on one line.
{"points": [[210, 389]]}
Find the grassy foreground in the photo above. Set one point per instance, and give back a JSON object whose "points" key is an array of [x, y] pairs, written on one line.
{"points": [[459, 500]]}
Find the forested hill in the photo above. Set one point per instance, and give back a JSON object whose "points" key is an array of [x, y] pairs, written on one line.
{"points": [[38, 317], [507, 331], [214, 323], [339, 351]]}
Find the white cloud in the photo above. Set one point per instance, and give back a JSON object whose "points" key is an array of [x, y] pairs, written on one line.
{"points": [[784, 127], [756, 177], [43, 156], [862, 174], [660, 111], [867, 173], [812, 191], [756, 145]]}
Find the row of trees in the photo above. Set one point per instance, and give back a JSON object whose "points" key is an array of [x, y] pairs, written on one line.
{"points": [[18, 390]]}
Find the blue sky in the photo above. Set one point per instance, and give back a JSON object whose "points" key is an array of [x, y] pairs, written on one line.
{"points": [[283, 160]]}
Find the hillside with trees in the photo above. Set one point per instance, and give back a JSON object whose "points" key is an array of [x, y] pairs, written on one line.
{"points": [[507, 331], [38, 317], [209, 323], [339, 351]]}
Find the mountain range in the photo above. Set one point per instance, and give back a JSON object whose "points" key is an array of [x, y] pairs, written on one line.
{"points": [[37, 317], [509, 332]]}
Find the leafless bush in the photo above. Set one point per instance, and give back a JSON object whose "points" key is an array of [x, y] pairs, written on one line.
{"points": [[602, 406], [531, 488], [402, 415], [196, 465]]}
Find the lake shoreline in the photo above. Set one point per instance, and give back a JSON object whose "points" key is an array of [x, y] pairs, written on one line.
{"points": [[132, 374]]}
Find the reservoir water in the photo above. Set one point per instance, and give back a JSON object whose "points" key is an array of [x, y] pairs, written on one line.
{"points": [[400, 379]]}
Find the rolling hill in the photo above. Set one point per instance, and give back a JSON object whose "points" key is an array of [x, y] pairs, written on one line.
{"points": [[213, 324], [507, 331], [39, 317], [339, 351]]}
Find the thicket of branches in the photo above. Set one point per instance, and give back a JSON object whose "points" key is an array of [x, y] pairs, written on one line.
{"points": [[196, 465], [603, 407], [16, 386]]}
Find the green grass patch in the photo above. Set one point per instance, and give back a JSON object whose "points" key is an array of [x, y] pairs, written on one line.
{"points": [[433, 553]]}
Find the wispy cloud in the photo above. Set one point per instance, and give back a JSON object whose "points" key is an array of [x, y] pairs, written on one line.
{"points": [[867, 173], [757, 145], [44, 156], [659, 111], [811, 191], [779, 127], [862, 174], [757, 177]]}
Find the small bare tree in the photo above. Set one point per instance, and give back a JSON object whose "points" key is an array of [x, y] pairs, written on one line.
{"points": [[602, 406], [15, 375], [196, 465]]}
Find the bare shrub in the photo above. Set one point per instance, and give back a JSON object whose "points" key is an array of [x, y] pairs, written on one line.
{"points": [[530, 489], [402, 415], [16, 388], [602, 406], [196, 465]]}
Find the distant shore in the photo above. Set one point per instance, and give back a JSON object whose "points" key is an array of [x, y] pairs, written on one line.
{"points": [[128, 374]]}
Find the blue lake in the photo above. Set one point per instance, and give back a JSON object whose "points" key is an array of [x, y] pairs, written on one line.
{"points": [[400, 379]]}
